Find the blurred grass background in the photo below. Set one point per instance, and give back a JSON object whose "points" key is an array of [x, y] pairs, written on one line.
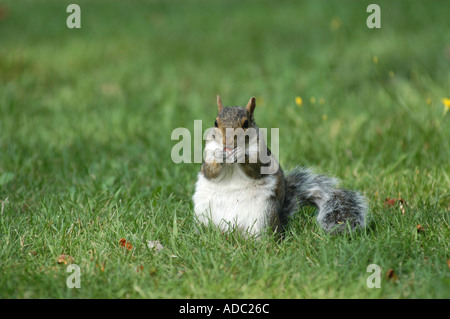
{"points": [[86, 117]]}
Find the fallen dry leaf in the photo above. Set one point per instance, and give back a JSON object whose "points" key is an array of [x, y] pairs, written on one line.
{"points": [[139, 268], [125, 244], [65, 259], [4, 12], [448, 263], [389, 202], [420, 228], [392, 201], [391, 275], [101, 266], [155, 245]]}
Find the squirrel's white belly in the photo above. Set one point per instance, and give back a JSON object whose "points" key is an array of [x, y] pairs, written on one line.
{"points": [[237, 201]]}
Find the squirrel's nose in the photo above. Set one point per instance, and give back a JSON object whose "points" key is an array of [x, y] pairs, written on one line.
{"points": [[228, 143]]}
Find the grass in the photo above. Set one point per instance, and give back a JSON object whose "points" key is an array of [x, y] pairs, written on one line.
{"points": [[85, 123]]}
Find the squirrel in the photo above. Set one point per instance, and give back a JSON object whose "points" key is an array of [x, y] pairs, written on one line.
{"points": [[233, 192]]}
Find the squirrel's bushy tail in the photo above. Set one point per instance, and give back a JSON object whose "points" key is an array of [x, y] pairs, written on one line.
{"points": [[338, 208]]}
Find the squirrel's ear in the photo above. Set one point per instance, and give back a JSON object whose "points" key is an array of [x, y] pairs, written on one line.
{"points": [[251, 105], [219, 103]]}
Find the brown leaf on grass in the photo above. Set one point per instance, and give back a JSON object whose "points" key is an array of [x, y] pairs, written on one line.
{"points": [[389, 202], [420, 228], [391, 275], [65, 259], [101, 266], [4, 12], [139, 268], [125, 244], [448, 263], [392, 201]]}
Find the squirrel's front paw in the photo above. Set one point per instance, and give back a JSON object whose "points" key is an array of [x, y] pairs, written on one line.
{"points": [[229, 155]]}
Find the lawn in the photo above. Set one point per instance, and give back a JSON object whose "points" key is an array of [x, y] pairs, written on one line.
{"points": [[86, 117]]}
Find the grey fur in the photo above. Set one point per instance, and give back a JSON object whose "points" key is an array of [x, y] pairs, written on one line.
{"points": [[338, 209]]}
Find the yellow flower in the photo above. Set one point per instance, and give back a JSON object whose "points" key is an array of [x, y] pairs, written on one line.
{"points": [[446, 102], [429, 101], [260, 101], [375, 60], [298, 101], [335, 23], [322, 101]]}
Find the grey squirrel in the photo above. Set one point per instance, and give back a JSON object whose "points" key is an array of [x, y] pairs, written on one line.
{"points": [[232, 191]]}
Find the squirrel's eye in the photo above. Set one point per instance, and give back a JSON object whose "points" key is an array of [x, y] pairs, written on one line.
{"points": [[215, 124], [245, 125]]}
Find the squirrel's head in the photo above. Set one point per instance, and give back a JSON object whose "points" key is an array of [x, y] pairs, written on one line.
{"points": [[234, 117]]}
